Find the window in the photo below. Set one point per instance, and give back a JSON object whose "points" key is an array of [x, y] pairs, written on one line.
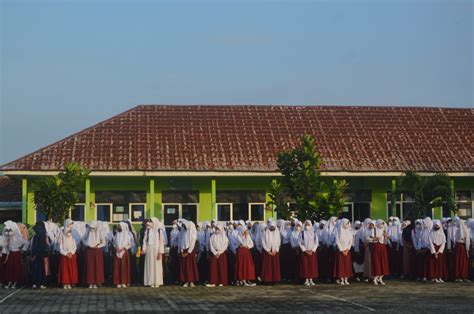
{"points": [[464, 203], [137, 211], [357, 206], [120, 213], [240, 205], [404, 206], [104, 212], [241, 211], [257, 212], [117, 206], [175, 211], [224, 212], [77, 212]]}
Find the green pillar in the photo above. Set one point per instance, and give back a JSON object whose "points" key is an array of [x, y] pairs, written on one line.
{"points": [[213, 199], [24, 200], [393, 198], [151, 212], [274, 214], [453, 194], [88, 215]]}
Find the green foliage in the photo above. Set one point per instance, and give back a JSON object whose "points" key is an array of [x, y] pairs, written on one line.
{"points": [[279, 200], [302, 182], [428, 192], [55, 195]]}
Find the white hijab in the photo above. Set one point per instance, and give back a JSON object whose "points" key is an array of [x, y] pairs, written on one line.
{"points": [[67, 244], [122, 240], [187, 236], [344, 236], [271, 239], [94, 238], [244, 238], [330, 231], [295, 235], [307, 238], [219, 241], [437, 237]]}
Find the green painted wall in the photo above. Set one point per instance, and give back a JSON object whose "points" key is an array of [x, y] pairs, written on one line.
{"points": [[154, 186]]}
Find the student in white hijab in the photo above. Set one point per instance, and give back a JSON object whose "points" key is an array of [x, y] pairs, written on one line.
{"points": [[271, 260], [328, 253], [68, 274], [394, 247], [218, 245], [294, 257], [437, 262], [343, 262], [285, 251], [188, 272], [154, 250], [258, 252], [357, 257], [173, 260], [15, 244], [308, 261], [94, 241], [377, 237], [122, 242], [460, 237], [244, 266], [417, 236]]}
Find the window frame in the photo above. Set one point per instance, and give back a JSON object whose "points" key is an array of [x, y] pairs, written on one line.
{"points": [[231, 211], [180, 210], [130, 212], [111, 205], [250, 211], [465, 202], [78, 204], [400, 202]]}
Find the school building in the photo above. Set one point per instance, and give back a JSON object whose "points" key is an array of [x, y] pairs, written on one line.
{"points": [[217, 162]]}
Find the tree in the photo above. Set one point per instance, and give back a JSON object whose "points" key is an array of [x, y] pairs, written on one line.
{"points": [[428, 192], [279, 199], [314, 197], [55, 195]]}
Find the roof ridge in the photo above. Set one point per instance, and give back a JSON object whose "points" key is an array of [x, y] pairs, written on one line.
{"points": [[2, 167], [386, 106]]}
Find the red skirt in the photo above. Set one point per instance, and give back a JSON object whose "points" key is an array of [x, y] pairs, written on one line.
{"points": [[308, 266], [14, 267], [244, 268], [437, 266], [94, 266], [218, 270], [379, 260], [68, 270], [271, 267], [188, 271], [122, 270], [343, 265], [461, 261]]}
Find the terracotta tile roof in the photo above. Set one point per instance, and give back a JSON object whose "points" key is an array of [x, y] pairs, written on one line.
{"points": [[247, 138], [10, 189]]}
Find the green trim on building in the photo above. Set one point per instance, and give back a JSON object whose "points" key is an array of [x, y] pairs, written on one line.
{"points": [[207, 188]]}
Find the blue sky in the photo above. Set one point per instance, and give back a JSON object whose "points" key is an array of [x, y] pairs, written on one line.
{"points": [[66, 65]]}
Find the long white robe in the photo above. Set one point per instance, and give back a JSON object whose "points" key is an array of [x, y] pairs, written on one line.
{"points": [[153, 244]]}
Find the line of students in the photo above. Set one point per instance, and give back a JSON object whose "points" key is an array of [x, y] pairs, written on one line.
{"points": [[238, 252]]}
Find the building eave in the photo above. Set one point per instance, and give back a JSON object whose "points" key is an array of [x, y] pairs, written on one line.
{"points": [[24, 173]]}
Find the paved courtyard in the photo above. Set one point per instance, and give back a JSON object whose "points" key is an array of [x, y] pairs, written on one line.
{"points": [[396, 296]]}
